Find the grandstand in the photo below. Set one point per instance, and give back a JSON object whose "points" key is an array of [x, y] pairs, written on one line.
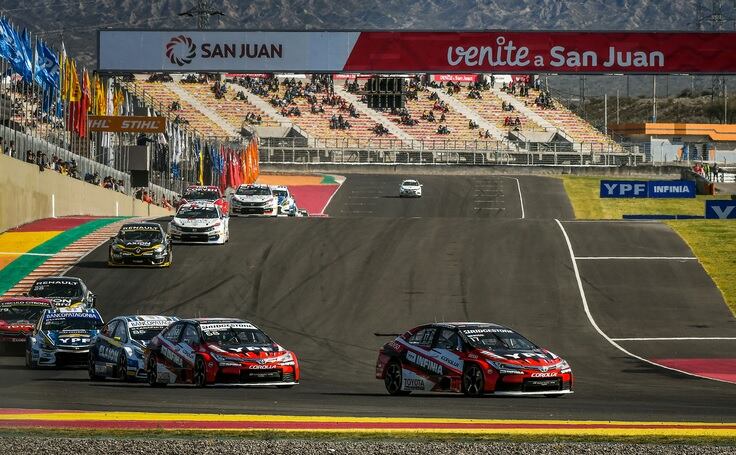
{"points": [[490, 108]]}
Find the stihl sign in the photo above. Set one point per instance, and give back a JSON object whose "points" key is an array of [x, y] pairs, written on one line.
{"points": [[504, 52], [117, 124]]}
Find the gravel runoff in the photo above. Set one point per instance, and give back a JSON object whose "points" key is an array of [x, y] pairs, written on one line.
{"points": [[29, 445]]}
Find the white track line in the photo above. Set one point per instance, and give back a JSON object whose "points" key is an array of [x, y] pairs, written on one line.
{"points": [[598, 329], [521, 198], [675, 339], [637, 258], [330, 199]]}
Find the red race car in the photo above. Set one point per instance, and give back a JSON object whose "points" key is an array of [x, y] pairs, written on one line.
{"points": [[208, 351], [17, 318], [473, 358], [199, 193]]}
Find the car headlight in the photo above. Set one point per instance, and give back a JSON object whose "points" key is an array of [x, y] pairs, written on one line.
{"points": [[116, 247], [504, 366], [563, 365], [174, 224], [159, 249], [225, 361], [282, 358]]}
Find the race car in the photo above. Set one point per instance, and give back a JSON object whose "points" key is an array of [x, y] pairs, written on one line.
{"points": [[17, 318], [117, 352], [286, 203], [254, 200], [474, 358], [63, 292], [140, 244], [201, 222], [410, 188], [208, 351], [62, 337], [199, 193]]}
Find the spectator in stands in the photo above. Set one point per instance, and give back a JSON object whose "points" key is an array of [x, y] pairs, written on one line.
{"points": [[333, 122], [10, 149], [165, 203], [472, 125], [2, 146], [145, 197], [716, 170], [517, 121], [443, 129], [30, 158], [442, 117], [175, 106], [41, 160], [430, 116]]}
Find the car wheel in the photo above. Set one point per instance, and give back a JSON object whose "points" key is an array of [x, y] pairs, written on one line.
{"points": [[29, 360], [152, 372], [473, 381], [200, 374], [122, 367], [92, 371], [393, 378]]}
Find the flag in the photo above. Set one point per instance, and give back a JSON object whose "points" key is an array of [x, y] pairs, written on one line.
{"points": [[46, 71], [118, 99], [26, 51], [16, 49], [72, 89]]}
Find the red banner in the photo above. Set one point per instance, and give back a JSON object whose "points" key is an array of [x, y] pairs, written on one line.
{"points": [[454, 77], [552, 52]]}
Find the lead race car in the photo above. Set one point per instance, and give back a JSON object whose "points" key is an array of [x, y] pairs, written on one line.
{"points": [[254, 200], [225, 351], [17, 318], [140, 244], [410, 188], [63, 292], [473, 358], [200, 223], [117, 352], [62, 337]]}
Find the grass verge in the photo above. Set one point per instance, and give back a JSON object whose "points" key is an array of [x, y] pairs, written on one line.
{"points": [[584, 194], [712, 241], [357, 436]]}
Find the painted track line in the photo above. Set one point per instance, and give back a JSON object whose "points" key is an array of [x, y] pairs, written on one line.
{"points": [[636, 258], [674, 339], [340, 182], [584, 299]]}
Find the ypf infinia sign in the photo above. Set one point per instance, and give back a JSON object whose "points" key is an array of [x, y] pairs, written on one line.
{"points": [[437, 52]]}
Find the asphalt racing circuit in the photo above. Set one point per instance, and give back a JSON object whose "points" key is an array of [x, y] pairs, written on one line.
{"points": [[616, 299]]}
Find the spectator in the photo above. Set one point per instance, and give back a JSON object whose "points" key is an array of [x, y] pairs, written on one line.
{"points": [[2, 146], [146, 197], [10, 150], [30, 158]]}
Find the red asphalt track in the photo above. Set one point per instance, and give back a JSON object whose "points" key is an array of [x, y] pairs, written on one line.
{"points": [[313, 198]]}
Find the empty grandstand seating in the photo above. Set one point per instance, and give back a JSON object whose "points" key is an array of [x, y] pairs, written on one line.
{"points": [[490, 108], [575, 127], [163, 97], [231, 109], [426, 130]]}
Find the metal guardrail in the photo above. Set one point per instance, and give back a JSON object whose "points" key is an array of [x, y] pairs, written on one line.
{"points": [[340, 156]]}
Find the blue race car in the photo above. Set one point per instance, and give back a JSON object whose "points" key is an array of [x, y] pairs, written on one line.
{"points": [[117, 352], [62, 337], [286, 202]]}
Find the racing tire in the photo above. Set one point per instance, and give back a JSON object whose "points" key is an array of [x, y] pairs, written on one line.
{"points": [[91, 371], [122, 367], [29, 362], [199, 375], [473, 381], [170, 257], [152, 372], [393, 378]]}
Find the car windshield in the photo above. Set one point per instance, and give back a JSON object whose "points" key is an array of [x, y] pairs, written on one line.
{"points": [[280, 193], [497, 338], [145, 334], [72, 323], [145, 235], [411, 183], [197, 212], [202, 195], [20, 313], [253, 191], [235, 335], [63, 288]]}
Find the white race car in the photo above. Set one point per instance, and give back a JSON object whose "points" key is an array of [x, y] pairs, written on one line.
{"points": [[254, 200], [200, 223], [287, 204], [410, 188]]}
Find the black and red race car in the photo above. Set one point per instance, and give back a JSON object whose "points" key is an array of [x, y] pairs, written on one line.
{"points": [[474, 358], [200, 193], [17, 318], [225, 351]]}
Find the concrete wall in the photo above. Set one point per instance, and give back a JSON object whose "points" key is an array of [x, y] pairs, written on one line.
{"points": [[27, 194]]}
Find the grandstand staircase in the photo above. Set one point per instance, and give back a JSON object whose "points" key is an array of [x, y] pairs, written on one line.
{"points": [[209, 113], [266, 107], [530, 114], [373, 114], [470, 114]]}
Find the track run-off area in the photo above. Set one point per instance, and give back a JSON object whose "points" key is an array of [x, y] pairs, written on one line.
{"points": [[644, 328]]}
